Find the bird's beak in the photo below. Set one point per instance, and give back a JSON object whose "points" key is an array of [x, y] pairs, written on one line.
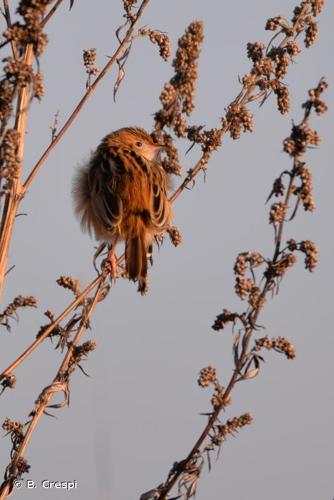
{"points": [[158, 149]]}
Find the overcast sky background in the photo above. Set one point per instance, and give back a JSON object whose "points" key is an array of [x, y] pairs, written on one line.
{"points": [[139, 410]]}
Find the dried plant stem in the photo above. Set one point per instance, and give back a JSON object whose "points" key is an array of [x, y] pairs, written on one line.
{"points": [[51, 12], [9, 23], [9, 370], [14, 196], [17, 192], [243, 98], [253, 315], [91, 89], [190, 177], [251, 320], [57, 385]]}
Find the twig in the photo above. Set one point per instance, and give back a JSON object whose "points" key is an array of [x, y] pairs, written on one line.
{"points": [[9, 24], [251, 318], [13, 198], [86, 96], [51, 13], [9, 370], [59, 383], [17, 192]]}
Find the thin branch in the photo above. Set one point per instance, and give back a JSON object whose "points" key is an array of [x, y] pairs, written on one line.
{"points": [[58, 384], [9, 370], [51, 13], [9, 24], [91, 89], [14, 196], [250, 327], [17, 192]]}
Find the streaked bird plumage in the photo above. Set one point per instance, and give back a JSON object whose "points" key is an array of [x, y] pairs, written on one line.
{"points": [[121, 194]]}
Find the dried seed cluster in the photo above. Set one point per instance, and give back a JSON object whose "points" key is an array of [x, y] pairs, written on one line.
{"points": [[243, 287], [301, 137], [280, 267], [79, 352], [246, 288], [18, 72], [237, 119], [270, 66], [207, 376], [6, 97], [277, 213], [314, 100], [186, 65], [218, 398], [279, 344], [246, 260], [128, 5], [161, 39], [31, 31], [230, 427], [171, 162], [11, 309], [89, 58], [16, 432], [175, 235], [177, 96], [210, 140], [70, 283], [305, 190], [311, 254], [38, 85], [9, 161], [223, 319], [14, 428]]}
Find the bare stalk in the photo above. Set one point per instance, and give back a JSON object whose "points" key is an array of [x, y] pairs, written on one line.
{"points": [[9, 23], [10, 369], [17, 191], [59, 384], [243, 98], [14, 196], [301, 137], [118, 53], [51, 12]]}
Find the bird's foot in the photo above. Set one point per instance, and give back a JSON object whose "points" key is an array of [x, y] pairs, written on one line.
{"points": [[111, 262]]}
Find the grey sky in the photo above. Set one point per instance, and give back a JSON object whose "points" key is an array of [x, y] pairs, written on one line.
{"points": [[139, 410]]}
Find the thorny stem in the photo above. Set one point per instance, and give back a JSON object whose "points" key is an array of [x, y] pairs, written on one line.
{"points": [[58, 384]]}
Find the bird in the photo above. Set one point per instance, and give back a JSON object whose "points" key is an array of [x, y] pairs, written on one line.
{"points": [[121, 194]]}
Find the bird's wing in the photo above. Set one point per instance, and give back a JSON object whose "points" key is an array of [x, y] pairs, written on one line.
{"points": [[161, 209], [105, 202]]}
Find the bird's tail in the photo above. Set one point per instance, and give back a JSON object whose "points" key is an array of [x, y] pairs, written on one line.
{"points": [[136, 255]]}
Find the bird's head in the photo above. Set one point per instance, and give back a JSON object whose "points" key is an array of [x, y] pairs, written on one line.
{"points": [[138, 140]]}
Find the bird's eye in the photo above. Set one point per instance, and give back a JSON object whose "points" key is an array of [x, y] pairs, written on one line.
{"points": [[139, 144]]}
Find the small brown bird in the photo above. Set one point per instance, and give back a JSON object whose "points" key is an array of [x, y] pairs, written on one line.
{"points": [[121, 194]]}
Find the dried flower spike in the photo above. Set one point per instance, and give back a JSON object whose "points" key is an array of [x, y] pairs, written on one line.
{"points": [[161, 39]]}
